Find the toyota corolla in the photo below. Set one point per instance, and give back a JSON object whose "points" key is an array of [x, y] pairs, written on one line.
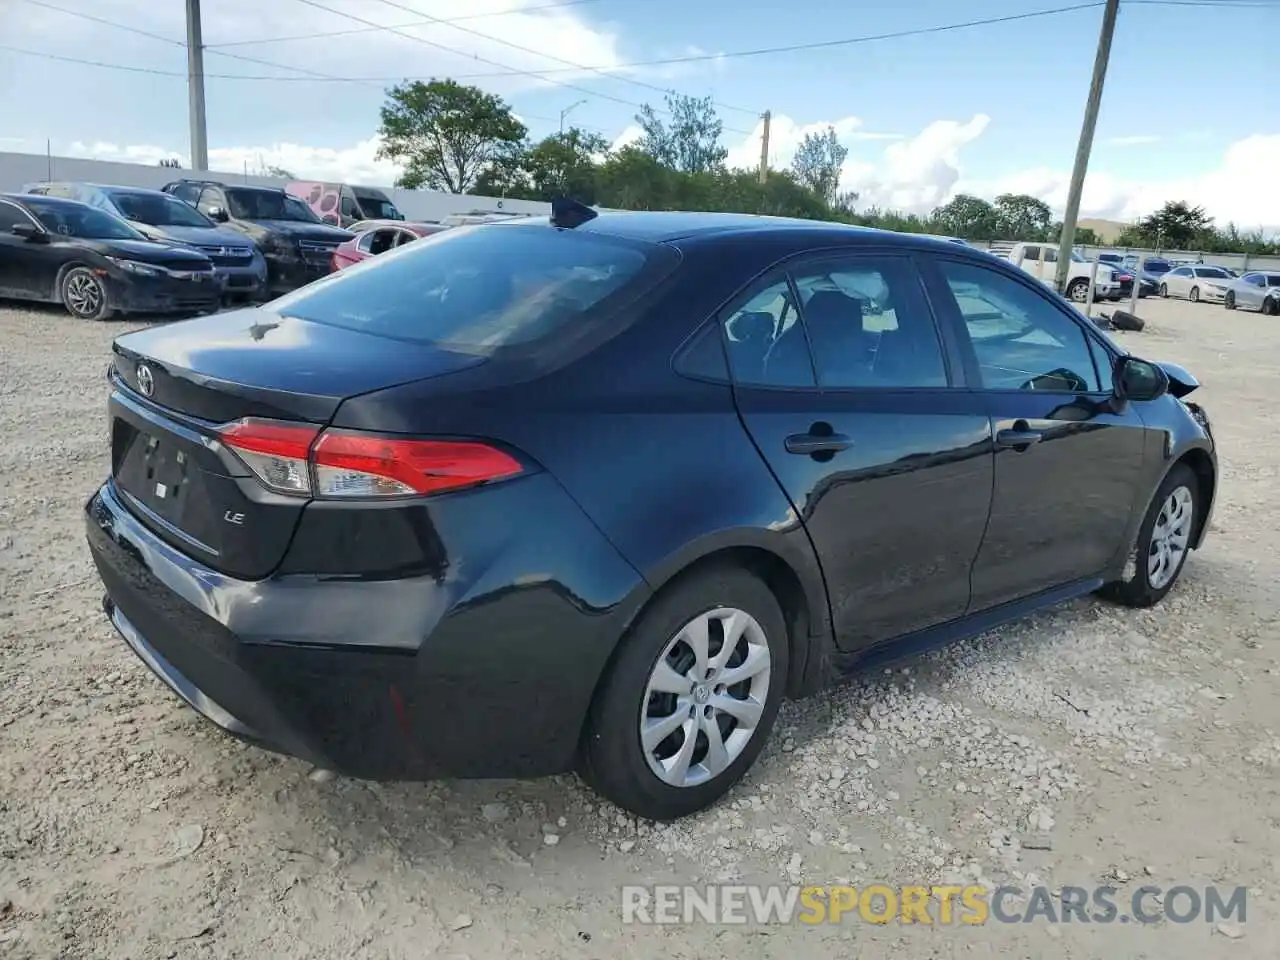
{"points": [[596, 492]]}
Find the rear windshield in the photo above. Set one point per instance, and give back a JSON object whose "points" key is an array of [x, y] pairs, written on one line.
{"points": [[1157, 266], [474, 288]]}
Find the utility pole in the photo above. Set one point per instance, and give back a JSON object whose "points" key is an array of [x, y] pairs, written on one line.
{"points": [[767, 116], [195, 89], [1085, 145]]}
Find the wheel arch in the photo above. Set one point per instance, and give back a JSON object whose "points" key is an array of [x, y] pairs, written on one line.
{"points": [[800, 592], [1206, 473]]}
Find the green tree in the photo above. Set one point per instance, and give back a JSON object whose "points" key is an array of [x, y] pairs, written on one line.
{"points": [[445, 134], [690, 140], [1176, 226], [969, 217], [818, 161], [1020, 216], [565, 163]]}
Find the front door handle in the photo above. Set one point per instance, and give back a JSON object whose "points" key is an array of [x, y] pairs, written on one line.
{"points": [[1018, 439], [811, 443]]}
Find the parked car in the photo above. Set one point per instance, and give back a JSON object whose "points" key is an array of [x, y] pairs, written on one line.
{"points": [[1195, 283], [343, 204], [237, 262], [610, 487], [1259, 291], [296, 244], [95, 264], [1041, 261], [378, 236]]}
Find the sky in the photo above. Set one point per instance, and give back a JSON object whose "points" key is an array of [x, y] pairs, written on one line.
{"points": [[1190, 109]]}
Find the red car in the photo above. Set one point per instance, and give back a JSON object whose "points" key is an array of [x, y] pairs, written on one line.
{"points": [[373, 237]]}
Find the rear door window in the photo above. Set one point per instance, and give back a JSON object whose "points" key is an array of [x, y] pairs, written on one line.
{"points": [[484, 288]]}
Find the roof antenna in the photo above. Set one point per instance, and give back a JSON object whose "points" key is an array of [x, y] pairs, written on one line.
{"points": [[569, 213]]}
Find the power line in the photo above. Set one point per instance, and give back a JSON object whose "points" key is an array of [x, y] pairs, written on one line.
{"points": [[540, 74], [825, 44], [509, 70], [610, 75], [401, 26]]}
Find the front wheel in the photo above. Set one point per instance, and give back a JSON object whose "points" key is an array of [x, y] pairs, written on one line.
{"points": [[1271, 307], [84, 294], [1164, 540], [1229, 301], [1195, 294], [1164, 290], [689, 702], [1078, 292]]}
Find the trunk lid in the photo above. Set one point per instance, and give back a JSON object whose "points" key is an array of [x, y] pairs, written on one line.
{"points": [[175, 385]]}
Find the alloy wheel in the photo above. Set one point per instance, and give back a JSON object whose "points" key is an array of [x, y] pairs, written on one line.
{"points": [[705, 697], [84, 295], [1169, 537]]}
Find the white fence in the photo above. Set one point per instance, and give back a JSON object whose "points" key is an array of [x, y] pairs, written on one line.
{"points": [[18, 169]]}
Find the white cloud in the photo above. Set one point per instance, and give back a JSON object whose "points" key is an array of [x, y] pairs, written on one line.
{"points": [[363, 52], [627, 137], [1238, 190], [356, 164], [916, 174]]}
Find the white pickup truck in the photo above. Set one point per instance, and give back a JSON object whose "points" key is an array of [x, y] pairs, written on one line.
{"points": [[1041, 261]]}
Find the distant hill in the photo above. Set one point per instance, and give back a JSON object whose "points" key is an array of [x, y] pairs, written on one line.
{"points": [[1108, 230]]}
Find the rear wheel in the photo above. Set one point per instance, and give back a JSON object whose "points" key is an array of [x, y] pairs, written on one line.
{"points": [[1229, 301], [690, 700], [84, 294], [1195, 294], [1164, 540]]}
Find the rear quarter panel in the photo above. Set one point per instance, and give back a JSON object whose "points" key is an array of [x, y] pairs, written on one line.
{"points": [[659, 462]]}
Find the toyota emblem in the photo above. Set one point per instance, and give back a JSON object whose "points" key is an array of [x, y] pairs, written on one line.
{"points": [[146, 382]]}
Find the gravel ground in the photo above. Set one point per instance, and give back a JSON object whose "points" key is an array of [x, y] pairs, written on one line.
{"points": [[1091, 744]]}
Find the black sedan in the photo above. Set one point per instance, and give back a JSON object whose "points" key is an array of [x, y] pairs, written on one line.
{"points": [[94, 263], [599, 491]]}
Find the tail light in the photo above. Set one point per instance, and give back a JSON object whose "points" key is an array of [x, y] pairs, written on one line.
{"points": [[306, 460]]}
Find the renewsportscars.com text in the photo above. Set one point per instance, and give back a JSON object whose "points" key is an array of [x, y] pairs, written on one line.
{"points": [[942, 905]]}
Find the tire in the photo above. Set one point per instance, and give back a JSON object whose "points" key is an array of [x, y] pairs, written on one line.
{"points": [[1078, 291], [1271, 307], [1164, 290], [84, 294], [1229, 301], [1195, 295], [614, 760], [1144, 590], [1124, 320]]}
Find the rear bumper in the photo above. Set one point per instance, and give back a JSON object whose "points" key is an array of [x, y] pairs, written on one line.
{"points": [[497, 685]]}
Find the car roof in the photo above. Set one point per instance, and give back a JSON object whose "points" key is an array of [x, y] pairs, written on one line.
{"points": [[668, 226], [45, 200]]}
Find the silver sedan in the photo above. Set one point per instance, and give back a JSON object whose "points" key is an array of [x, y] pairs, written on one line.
{"points": [[1255, 291], [1195, 282]]}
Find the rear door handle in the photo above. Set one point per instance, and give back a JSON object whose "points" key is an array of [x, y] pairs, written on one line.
{"points": [[1018, 439], [811, 443]]}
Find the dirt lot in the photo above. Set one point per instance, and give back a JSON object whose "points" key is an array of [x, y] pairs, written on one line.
{"points": [[1118, 746]]}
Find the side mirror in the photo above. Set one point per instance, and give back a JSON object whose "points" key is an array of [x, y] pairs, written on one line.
{"points": [[1136, 379], [31, 232], [218, 214]]}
